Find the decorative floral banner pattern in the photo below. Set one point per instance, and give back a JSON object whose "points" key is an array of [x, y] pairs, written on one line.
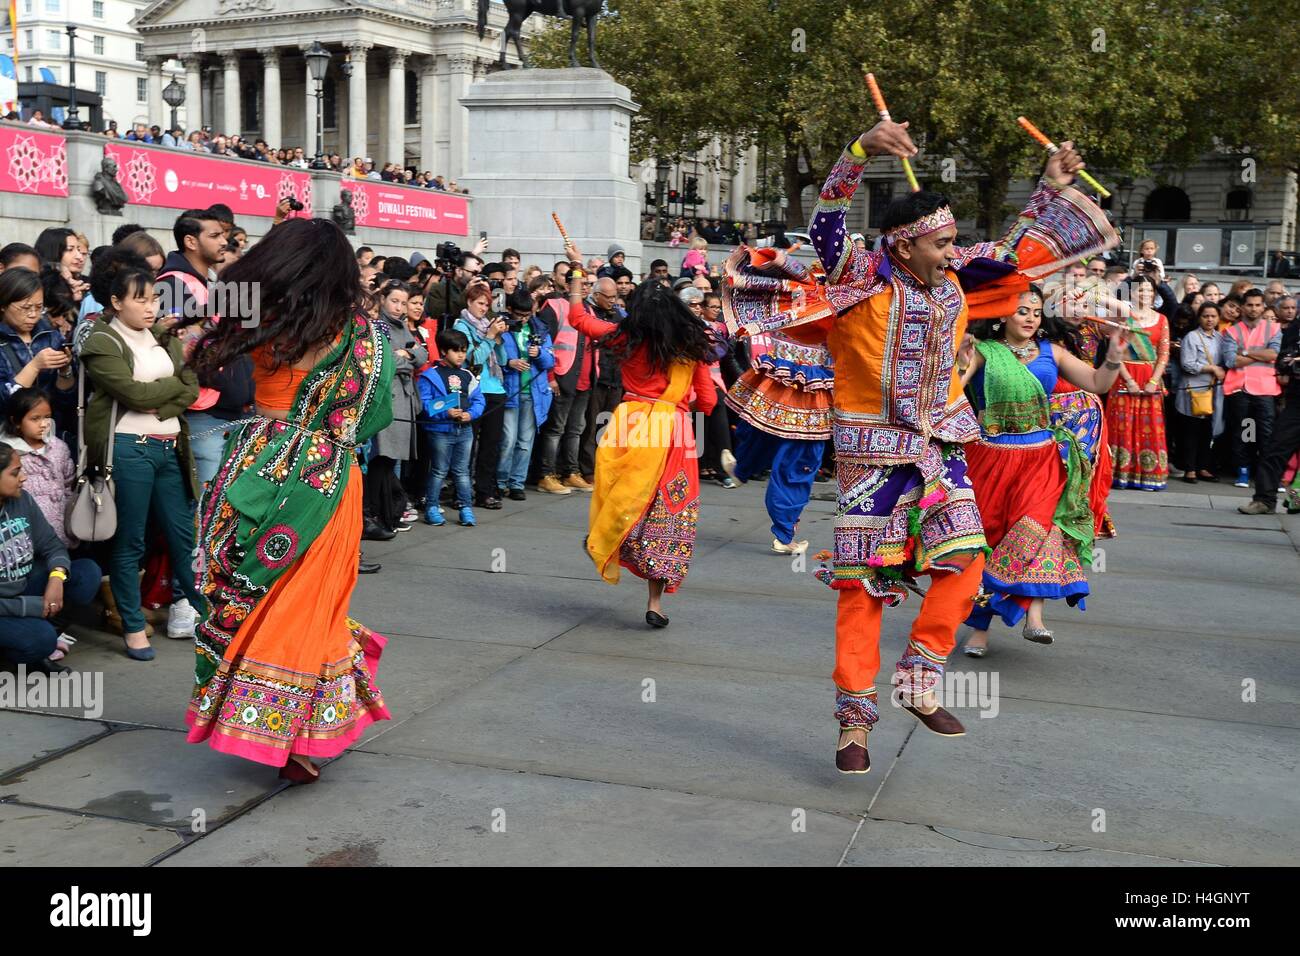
{"points": [[35, 163], [180, 179]]}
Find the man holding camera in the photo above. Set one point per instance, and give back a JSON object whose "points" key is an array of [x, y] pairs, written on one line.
{"points": [[1285, 440], [446, 299]]}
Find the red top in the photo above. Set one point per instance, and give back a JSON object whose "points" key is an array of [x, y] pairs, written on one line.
{"points": [[639, 377]]}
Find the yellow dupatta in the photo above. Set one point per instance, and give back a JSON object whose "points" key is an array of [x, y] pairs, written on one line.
{"points": [[630, 461]]}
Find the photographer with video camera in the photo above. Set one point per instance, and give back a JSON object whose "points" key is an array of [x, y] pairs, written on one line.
{"points": [[1285, 439], [445, 298]]}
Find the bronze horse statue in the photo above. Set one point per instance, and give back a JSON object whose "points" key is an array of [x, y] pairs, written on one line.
{"points": [[579, 11]]}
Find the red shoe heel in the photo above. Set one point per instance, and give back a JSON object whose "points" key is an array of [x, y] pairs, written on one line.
{"points": [[296, 773]]}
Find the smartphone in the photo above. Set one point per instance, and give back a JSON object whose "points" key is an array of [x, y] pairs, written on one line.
{"points": [[483, 234]]}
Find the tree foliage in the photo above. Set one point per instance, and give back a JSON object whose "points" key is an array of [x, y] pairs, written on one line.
{"points": [[1136, 84]]}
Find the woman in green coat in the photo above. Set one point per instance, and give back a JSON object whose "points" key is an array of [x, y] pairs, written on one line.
{"points": [[141, 391]]}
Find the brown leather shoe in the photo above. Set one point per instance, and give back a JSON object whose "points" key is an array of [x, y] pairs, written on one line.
{"points": [[938, 721], [577, 483], [852, 758]]}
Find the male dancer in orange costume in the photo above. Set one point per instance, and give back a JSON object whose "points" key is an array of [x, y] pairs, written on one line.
{"points": [[894, 319]]}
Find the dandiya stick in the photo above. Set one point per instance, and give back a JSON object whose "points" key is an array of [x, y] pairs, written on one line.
{"points": [[883, 110], [1051, 147], [1117, 325], [560, 226]]}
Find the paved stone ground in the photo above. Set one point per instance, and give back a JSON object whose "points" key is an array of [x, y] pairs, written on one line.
{"points": [[519, 702]]}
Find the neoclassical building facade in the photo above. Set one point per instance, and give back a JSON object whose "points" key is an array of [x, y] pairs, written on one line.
{"points": [[398, 70]]}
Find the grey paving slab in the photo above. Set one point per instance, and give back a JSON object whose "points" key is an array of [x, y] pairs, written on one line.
{"points": [[391, 811], [154, 693], [1201, 790], [146, 776], [1098, 666], [31, 836], [27, 737], [889, 843], [1128, 601], [519, 609], [723, 628], [1162, 499], [727, 733], [1164, 556]]}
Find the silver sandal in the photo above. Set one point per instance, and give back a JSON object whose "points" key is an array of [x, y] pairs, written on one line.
{"points": [[1039, 635], [975, 651]]}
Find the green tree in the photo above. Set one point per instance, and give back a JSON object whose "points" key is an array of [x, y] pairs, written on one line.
{"points": [[1134, 83]]}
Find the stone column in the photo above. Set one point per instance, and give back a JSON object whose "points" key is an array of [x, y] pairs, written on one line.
{"points": [[739, 184], [357, 51], [271, 129], [158, 112], [395, 138], [462, 75], [193, 90], [428, 110], [230, 89], [309, 109], [441, 118]]}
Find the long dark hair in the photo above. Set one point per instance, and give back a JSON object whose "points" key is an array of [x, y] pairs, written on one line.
{"points": [[52, 243], [308, 287], [661, 321]]}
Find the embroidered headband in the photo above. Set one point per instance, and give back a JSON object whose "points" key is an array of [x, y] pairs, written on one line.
{"points": [[935, 221]]}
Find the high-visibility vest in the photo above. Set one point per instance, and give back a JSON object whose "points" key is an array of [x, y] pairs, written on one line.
{"points": [[1259, 377], [565, 343]]}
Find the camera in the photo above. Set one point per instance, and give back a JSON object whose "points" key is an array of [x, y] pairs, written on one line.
{"points": [[294, 204], [447, 255], [534, 341]]}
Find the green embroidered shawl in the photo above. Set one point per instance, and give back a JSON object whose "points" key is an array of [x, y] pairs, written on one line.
{"points": [[281, 483], [1015, 404]]}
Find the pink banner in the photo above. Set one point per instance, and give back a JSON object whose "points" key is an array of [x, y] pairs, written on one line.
{"points": [[386, 206], [180, 179], [35, 163]]}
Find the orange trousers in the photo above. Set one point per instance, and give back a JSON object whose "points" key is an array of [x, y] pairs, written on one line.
{"points": [[934, 634]]}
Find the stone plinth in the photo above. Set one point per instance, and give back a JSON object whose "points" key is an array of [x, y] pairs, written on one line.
{"points": [[543, 141]]}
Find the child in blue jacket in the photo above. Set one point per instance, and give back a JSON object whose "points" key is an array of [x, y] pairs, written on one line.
{"points": [[525, 355], [451, 399]]}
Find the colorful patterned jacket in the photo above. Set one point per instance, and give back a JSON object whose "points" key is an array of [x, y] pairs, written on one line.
{"points": [[894, 340]]}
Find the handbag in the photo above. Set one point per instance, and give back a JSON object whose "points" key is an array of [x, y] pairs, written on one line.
{"points": [[91, 513], [1202, 401]]}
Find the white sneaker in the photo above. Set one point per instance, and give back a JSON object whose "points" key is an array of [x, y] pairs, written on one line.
{"points": [[794, 547], [728, 462], [181, 620]]}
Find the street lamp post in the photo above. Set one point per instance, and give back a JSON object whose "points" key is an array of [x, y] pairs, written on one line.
{"points": [[1125, 187], [318, 61], [72, 120], [174, 95]]}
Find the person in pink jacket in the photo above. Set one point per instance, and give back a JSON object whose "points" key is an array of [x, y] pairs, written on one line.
{"points": [[47, 461]]}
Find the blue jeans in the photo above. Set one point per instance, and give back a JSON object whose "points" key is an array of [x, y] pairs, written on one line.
{"points": [[148, 478], [29, 640], [208, 449], [520, 428], [450, 456]]}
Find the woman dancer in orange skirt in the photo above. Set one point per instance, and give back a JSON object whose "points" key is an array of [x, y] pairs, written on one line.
{"points": [[283, 674]]}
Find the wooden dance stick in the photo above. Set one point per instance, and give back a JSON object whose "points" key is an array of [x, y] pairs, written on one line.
{"points": [[1051, 147], [560, 226], [883, 110]]}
